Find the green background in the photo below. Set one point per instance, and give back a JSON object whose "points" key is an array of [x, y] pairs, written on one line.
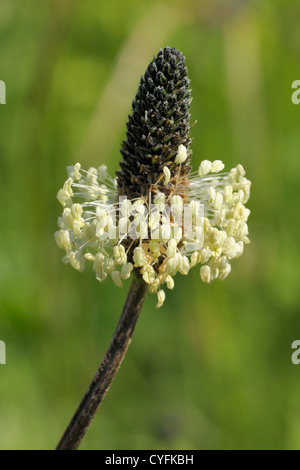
{"points": [[212, 368]]}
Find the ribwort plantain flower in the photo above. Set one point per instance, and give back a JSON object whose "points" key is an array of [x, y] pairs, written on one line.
{"points": [[157, 217]]}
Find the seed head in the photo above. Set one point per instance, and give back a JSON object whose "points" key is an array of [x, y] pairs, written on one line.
{"points": [[157, 127]]}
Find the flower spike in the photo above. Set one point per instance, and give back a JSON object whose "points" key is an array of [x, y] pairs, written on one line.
{"points": [[157, 126], [157, 218]]}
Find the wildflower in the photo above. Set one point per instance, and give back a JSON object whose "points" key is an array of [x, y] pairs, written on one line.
{"points": [[157, 218]]}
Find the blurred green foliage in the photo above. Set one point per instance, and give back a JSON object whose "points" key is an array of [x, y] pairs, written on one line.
{"points": [[212, 368]]}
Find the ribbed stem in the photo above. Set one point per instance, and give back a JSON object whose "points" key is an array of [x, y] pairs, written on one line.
{"points": [[108, 368]]}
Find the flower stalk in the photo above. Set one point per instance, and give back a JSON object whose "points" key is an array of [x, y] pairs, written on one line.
{"points": [[108, 368]]}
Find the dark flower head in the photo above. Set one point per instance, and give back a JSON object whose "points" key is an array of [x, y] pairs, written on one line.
{"points": [[157, 126]]}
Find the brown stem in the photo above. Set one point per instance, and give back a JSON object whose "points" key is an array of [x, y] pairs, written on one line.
{"points": [[107, 369]]}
